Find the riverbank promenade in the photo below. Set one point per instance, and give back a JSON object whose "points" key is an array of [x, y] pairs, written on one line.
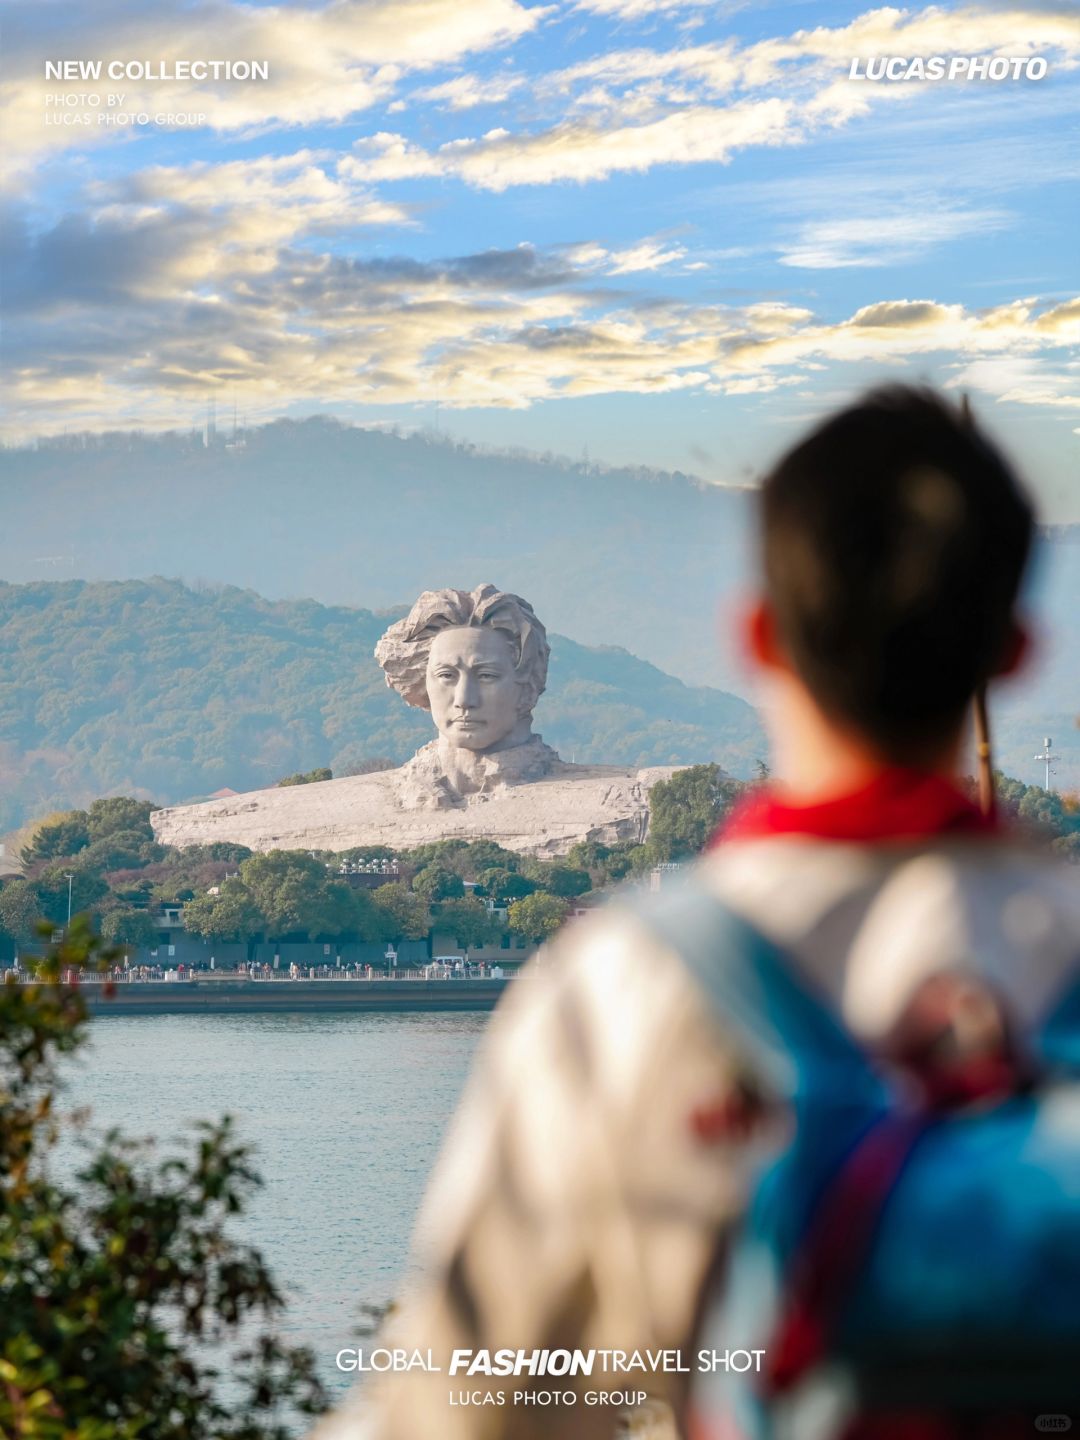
{"points": [[234, 996]]}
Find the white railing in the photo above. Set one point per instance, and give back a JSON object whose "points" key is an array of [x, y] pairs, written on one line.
{"points": [[429, 972]]}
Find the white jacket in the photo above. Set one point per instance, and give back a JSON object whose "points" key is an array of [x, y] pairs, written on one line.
{"points": [[579, 1202]]}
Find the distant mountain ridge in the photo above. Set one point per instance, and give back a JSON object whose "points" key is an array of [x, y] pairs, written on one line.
{"points": [[150, 687], [628, 556]]}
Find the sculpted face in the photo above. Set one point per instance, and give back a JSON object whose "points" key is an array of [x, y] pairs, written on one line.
{"points": [[474, 697]]}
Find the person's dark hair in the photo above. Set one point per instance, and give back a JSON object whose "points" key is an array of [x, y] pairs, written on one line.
{"points": [[895, 539]]}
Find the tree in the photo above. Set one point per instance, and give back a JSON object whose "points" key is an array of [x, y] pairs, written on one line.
{"points": [[434, 883], [537, 916], [295, 894], [87, 888], [19, 911], [120, 850], [502, 884], [685, 810], [587, 854], [469, 921], [558, 879], [406, 915], [120, 813], [466, 858], [1042, 814], [129, 929], [218, 850], [231, 914], [361, 854], [126, 1294], [371, 766], [58, 836], [368, 921], [606, 864], [309, 777]]}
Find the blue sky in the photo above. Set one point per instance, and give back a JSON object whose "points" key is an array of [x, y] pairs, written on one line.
{"points": [[665, 230]]}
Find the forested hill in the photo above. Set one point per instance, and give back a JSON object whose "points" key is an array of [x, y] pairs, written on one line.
{"points": [[631, 557], [349, 516], [150, 687]]}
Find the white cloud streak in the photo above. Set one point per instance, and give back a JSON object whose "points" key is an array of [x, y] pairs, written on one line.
{"points": [[162, 294], [467, 92], [326, 62], [579, 152], [876, 238], [632, 110]]}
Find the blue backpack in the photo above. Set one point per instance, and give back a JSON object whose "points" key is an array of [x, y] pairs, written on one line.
{"points": [[915, 1251]]}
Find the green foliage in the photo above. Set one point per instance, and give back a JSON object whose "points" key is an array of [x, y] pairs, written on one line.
{"points": [[360, 854], [434, 883], [119, 1285], [557, 879], [606, 864], [62, 835], [51, 888], [406, 914], [19, 911], [538, 916], [370, 921], [1042, 815], [295, 894], [120, 850], [218, 850], [371, 765], [502, 884], [469, 921], [99, 693], [120, 814], [231, 914], [309, 777], [128, 929], [466, 858], [685, 810]]}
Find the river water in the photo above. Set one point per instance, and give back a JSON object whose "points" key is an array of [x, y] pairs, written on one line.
{"points": [[346, 1113]]}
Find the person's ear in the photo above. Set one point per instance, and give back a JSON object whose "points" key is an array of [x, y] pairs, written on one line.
{"points": [[760, 637], [1016, 652]]}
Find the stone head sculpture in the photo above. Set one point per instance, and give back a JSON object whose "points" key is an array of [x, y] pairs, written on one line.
{"points": [[476, 659]]}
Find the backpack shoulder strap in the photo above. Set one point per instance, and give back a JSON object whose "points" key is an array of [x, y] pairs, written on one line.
{"points": [[755, 990]]}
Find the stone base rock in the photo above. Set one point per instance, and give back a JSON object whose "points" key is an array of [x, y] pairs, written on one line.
{"points": [[542, 817]]}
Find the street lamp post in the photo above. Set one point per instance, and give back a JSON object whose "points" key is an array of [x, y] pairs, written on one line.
{"points": [[1047, 757], [70, 878]]}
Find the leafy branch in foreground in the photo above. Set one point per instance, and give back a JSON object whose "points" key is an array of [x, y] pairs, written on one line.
{"points": [[127, 1310]]}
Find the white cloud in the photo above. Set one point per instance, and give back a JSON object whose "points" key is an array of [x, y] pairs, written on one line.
{"points": [[875, 239], [825, 52], [580, 151], [648, 255], [465, 92], [326, 62], [648, 106], [650, 9], [632, 110], [188, 282]]}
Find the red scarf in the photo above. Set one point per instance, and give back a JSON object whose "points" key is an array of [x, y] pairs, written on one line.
{"points": [[896, 805]]}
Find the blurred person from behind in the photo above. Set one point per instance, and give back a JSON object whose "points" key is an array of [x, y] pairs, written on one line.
{"points": [[814, 1102]]}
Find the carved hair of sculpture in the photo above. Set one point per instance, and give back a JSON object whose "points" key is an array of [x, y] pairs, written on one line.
{"points": [[403, 650]]}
